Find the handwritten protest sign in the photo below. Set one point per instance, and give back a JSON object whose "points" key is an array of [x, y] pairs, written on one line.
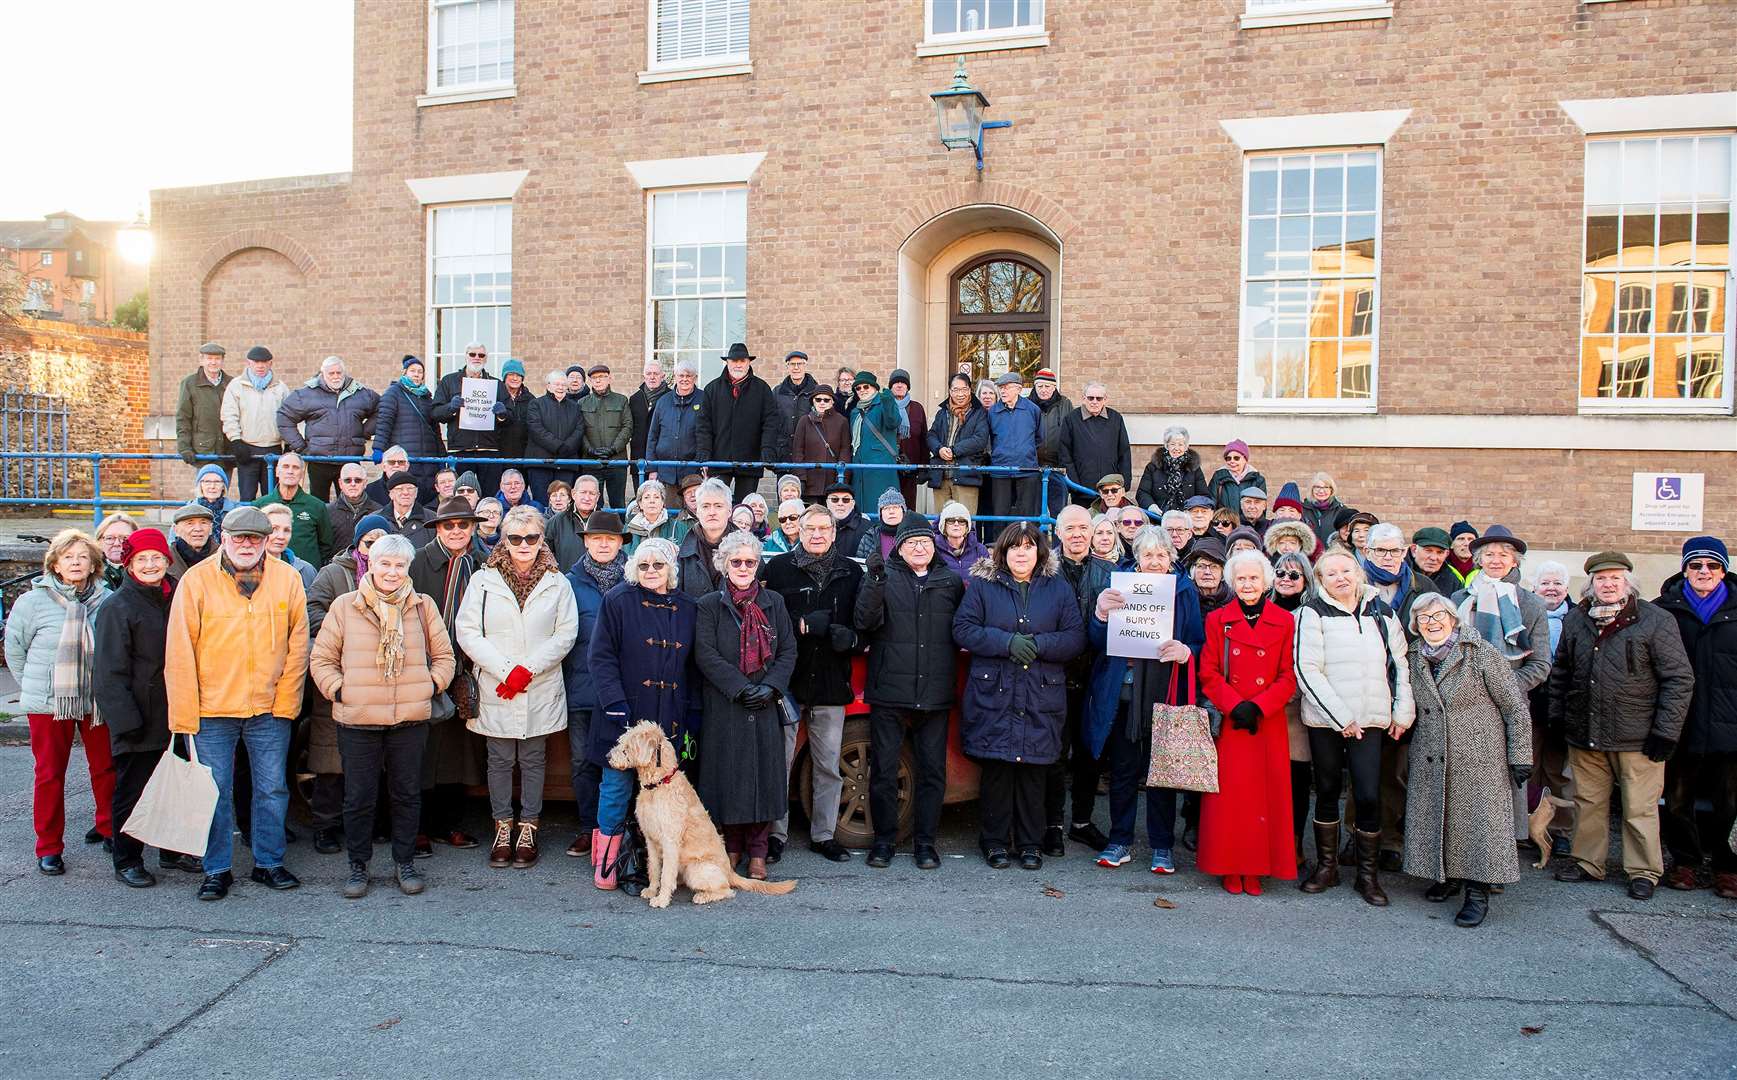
{"points": [[478, 413], [1148, 621]]}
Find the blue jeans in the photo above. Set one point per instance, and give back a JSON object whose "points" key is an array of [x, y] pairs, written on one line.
{"points": [[267, 740], [614, 800]]}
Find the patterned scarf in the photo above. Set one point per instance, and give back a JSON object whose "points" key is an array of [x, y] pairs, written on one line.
{"points": [[1435, 654], [1496, 617], [388, 609], [607, 575], [818, 567], [1170, 481], [756, 642], [246, 581], [1602, 615], [501, 560], [459, 568], [72, 656]]}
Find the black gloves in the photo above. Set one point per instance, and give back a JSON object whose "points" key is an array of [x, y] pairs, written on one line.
{"points": [[756, 696], [1246, 717], [843, 638], [189, 457], [1520, 774], [1022, 648], [817, 623], [1658, 748], [876, 564]]}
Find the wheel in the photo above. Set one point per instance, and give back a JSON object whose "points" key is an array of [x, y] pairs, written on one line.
{"points": [[855, 825]]}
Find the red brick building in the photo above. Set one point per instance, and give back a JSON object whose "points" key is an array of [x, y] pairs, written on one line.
{"points": [[1472, 259], [70, 267]]}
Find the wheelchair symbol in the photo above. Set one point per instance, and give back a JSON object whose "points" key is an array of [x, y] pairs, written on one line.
{"points": [[1668, 488]]}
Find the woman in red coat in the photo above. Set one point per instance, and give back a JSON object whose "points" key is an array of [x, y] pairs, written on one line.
{"points": [[1246, 670]]}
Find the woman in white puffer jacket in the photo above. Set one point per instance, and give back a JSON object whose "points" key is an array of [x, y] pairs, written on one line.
{"points": [[1354, 684]]}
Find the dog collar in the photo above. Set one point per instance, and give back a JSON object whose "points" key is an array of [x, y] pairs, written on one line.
{"points": [[665, 780]]}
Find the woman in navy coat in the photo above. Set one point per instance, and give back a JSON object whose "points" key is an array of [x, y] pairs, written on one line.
{"points": [[406, 418], [642, 650], [1021, 623]]}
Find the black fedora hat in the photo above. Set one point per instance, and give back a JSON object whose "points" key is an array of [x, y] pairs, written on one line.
{"points": [[739, 351], [1500, 534], [454, 509], [604, 523]]}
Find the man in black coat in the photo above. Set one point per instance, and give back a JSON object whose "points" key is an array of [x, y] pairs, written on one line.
{"points": [[349, 505], [1093, 442], [819, 585], [906, 606], [851, 526], [795, 394], [639, 404], [738, 421], [1705, 763], [466, 442]]}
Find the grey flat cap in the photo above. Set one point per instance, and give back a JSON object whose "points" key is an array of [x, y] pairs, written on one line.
{"points": [[211, 348], [247, 521], [189, 512], [1010, 379]]}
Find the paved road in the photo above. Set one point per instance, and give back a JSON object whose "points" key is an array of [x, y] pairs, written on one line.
{"points": [[963, 972]]}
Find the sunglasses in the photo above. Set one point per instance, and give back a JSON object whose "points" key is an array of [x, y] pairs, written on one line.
{"points": [[452, 526], [1289, 575], [1094, 397], [353, 480], [477, 355], [653, 564], [744, 564], [840, 498], [1704, 566], [1110, 489], [788, 517], [1131, 523], [523, 540]]}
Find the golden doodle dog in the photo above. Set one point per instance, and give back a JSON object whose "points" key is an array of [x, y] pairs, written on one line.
{"points": [[682, 845]]}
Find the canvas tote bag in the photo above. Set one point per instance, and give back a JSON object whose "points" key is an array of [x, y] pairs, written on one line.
{"points": [[1183, 755], [174, 812]]}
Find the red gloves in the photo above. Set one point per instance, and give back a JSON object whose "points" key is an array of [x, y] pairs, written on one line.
{"points": [[517, 680]]}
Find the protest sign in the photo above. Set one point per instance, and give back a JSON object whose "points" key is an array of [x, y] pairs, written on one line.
{"points": [[1148, 621], [478, 413]]}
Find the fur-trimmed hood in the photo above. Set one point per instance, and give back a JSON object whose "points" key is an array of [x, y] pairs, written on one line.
{"points": [[1190, 458], [986, 569], [1295, 529]]}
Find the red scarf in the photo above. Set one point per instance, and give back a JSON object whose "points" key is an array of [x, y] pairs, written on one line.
{"points": [[756, 645], [737, 384]]}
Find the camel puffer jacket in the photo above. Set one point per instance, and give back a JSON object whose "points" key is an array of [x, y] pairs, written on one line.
{"points": [[1351, 664], [346, 670]]}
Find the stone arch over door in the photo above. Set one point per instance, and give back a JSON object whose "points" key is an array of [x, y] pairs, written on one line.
{"points": [[259, 296], [930, 256]]}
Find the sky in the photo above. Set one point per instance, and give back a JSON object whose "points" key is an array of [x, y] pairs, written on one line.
{"points": [[170, 93]]}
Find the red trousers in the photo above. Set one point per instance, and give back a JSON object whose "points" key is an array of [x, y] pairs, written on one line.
{"points": [[51, 745]]}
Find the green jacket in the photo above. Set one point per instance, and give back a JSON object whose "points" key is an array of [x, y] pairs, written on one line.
{"points": [[311, 531], [199, 415], [608, 424]]}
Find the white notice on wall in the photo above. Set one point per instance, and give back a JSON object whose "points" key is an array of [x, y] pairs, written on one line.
{"points": [[478, 413], [1667, 502], [1000, 362], [1148, 621]]}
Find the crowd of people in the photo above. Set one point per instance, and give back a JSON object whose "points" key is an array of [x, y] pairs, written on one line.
{"points": [[1409, 704]]}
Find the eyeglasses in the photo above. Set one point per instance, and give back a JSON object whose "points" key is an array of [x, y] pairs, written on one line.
{"points": [[744, 564], [518, 540], [653, 564], [1288, 575], [1427, 619], [1395, 552], [1703, 566]]}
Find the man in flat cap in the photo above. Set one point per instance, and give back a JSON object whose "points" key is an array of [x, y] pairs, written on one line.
{"points": [[199, 409], [1620, 689], [608, 431]]}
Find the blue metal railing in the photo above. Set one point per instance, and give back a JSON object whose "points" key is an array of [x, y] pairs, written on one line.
{"points": [[1050, 477]]}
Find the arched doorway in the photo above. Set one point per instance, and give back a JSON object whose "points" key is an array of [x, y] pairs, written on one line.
{"points": [[999, 316], [1009, 265]]}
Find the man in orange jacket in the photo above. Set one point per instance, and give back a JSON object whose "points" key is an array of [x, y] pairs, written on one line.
{"points": [[235, 664]]}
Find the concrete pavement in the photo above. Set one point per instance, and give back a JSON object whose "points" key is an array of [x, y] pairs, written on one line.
{"points": [[962, 972]]}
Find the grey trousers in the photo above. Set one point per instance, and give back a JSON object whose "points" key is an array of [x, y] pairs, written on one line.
{"points": [[825, 734], [531, 756]]}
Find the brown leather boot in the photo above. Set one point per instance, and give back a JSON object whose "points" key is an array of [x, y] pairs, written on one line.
{"points": [[1326, 873], [501, 851], [525, 851], [1368, 853]]}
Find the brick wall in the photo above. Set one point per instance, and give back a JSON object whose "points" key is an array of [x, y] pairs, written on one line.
{"points": [[1116, 146], [103, 375]]}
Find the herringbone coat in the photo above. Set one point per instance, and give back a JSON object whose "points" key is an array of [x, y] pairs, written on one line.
{"points": [[1472, 723]]}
